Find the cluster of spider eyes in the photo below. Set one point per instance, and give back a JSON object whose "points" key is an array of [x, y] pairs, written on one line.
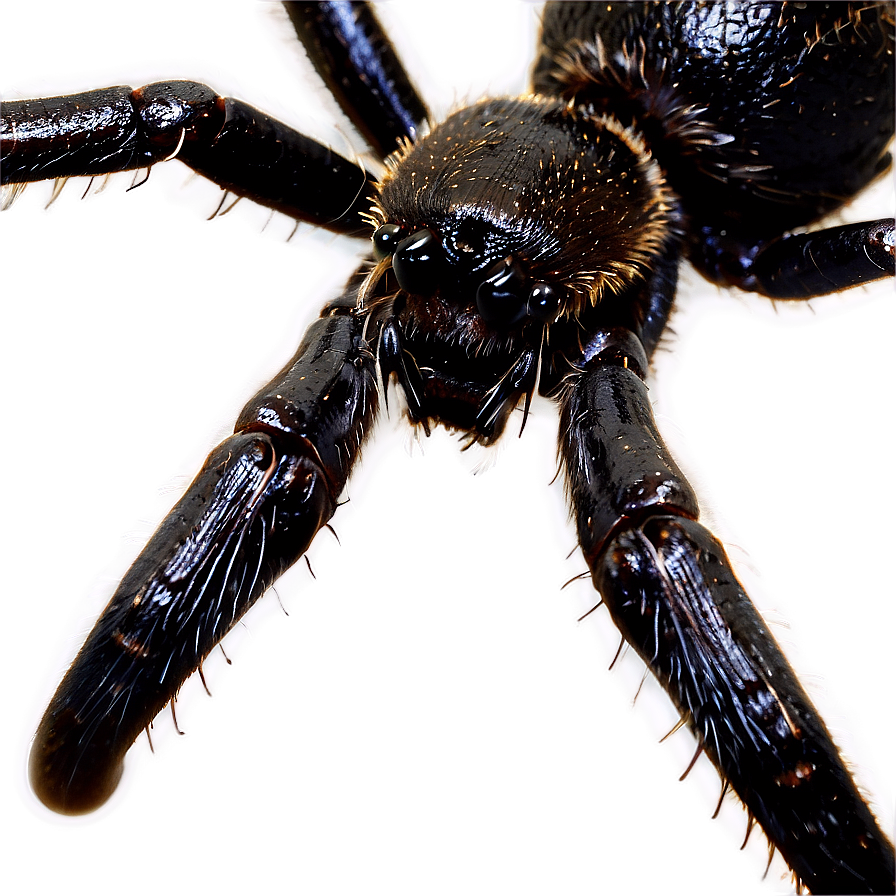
{"points": [[505, 296]]}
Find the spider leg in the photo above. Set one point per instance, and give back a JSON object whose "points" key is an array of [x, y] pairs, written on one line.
{"points": [[802, 266], [353, 55], [250, 514], [672, 592], [226, 140]]}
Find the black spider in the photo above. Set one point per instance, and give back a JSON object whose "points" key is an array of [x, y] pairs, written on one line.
{"points": [[131, 197]]}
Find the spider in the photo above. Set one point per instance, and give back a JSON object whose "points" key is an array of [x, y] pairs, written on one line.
{"points": [[219, 691]]}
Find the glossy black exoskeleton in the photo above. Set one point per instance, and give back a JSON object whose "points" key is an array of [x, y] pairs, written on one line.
{"points": [[503, 274]]}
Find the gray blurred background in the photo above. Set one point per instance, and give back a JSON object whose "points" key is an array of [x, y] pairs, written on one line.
{"points": [[429, 717]]}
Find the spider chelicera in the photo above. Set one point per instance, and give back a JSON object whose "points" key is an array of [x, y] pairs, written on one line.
{"points": [[227, 787]]}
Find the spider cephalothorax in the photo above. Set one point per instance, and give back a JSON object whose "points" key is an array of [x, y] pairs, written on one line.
{"points": [[527, 207], [510, 219]]}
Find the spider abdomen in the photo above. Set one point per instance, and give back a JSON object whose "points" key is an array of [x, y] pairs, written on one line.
{"points": [[711, 83]]}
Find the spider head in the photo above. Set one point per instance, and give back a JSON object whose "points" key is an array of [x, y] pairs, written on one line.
{"points": [[521, 210], [505, 293]]}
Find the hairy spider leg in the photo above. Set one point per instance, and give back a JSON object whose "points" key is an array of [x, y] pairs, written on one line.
{"points": [[802, 266], [352, 54], [671, 591], [251, 512], [236, 146]]}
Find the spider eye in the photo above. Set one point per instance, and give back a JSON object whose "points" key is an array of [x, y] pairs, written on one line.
{"points": [[544, 301], [418, 261], [385, 239], [501, 297]]}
